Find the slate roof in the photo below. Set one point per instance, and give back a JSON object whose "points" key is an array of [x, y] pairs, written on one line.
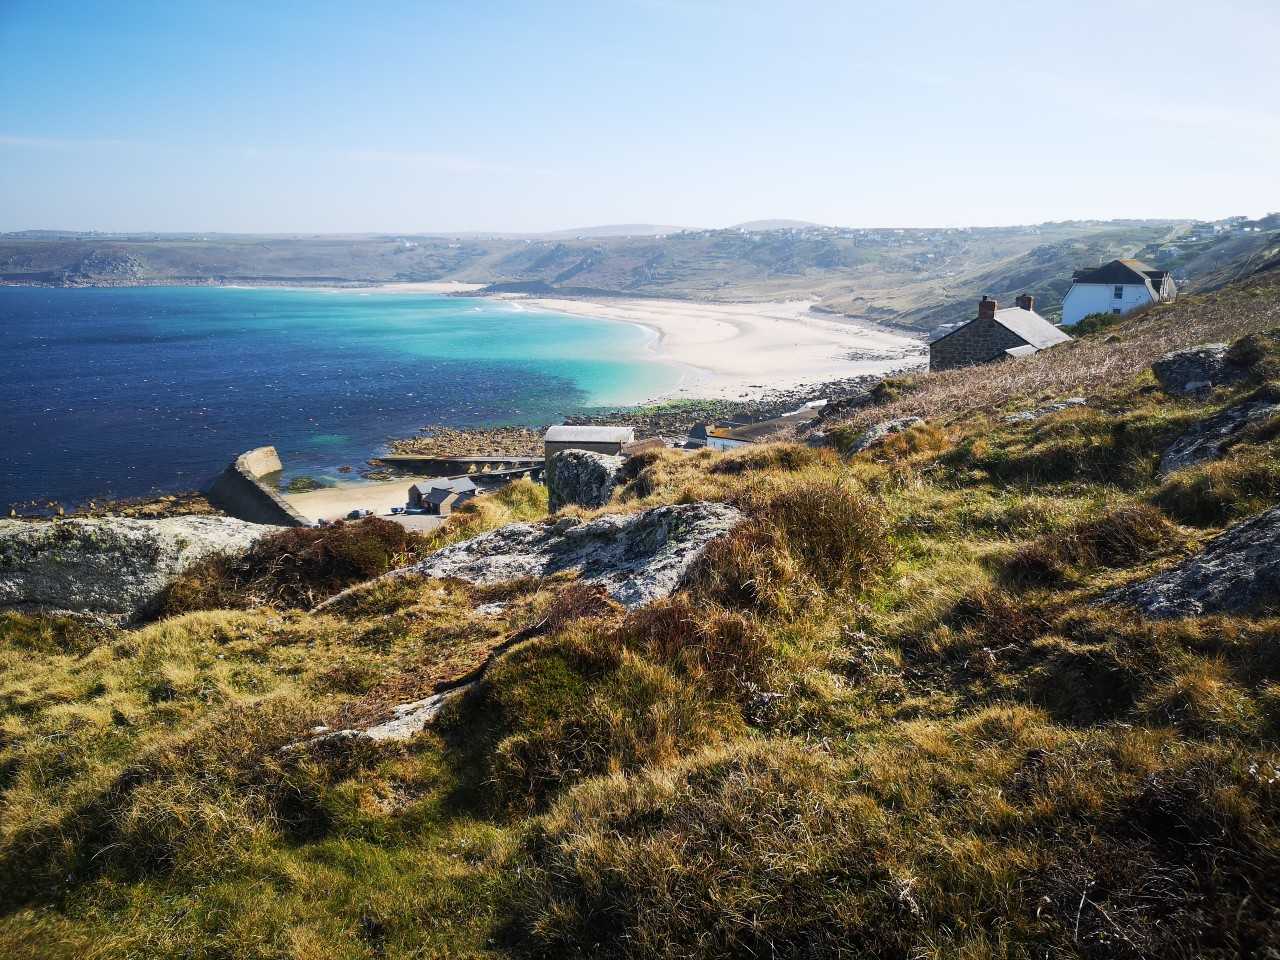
{"points": [[1031, 327], [1120, 271], [587, 434], [445, 486], [1025, 350], [439, 495]]}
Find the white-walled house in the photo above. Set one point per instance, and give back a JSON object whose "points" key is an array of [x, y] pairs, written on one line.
{"points": [[1115, 287]]}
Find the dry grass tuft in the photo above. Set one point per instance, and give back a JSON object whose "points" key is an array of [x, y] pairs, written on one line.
{"points": [[1209, 494], [1119, 538], [297, 567], [770, 456]]}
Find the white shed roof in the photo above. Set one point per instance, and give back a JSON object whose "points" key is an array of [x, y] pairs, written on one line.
{"points": [[588, 434]]}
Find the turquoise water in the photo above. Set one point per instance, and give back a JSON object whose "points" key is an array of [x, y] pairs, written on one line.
{"points": [[126, 392]]}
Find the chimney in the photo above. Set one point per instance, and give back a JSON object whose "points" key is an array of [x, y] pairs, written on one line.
{"points": [[986, 309], [1026, 302]]}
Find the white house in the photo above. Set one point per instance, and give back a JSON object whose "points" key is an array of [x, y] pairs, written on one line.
{"points": [[1115, 287]]}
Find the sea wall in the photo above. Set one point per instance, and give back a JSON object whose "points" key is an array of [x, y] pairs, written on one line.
{"points": [[240, 491]]}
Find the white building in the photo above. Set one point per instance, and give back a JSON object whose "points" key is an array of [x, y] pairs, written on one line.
{"points": [[1115, 287]]}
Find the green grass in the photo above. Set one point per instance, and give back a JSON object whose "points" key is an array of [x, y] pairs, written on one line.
{"points": [[886, 717]]}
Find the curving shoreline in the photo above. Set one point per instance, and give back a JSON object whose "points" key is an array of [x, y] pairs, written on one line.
{"points": [[744, 350]]}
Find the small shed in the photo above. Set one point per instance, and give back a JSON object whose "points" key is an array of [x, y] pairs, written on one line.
{"points": [[442, 495], [608, 440]]}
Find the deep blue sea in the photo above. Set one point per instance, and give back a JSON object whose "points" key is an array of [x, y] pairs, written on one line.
{"points": [[126, 392]]}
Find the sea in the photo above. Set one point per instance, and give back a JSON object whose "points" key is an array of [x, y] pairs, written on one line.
{"points": [[129, 392]]}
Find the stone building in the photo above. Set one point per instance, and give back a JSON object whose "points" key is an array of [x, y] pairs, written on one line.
{"points": [[995, 334], [442, 495]]}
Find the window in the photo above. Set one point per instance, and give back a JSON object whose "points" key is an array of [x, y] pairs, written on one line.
{"points": [[1119, 292], [1115, 309]]}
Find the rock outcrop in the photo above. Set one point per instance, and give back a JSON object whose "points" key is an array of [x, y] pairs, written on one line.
{"points": [[637, 557], [1026, 416], [584, 478], [1197, 369], [112, 566], [1207, 440], [876, 433], [1238, 571]]}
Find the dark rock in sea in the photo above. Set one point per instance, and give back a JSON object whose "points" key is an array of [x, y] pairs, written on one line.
{"points": [[1197, 369], [111, 567], [1207, 440], [1237, 572], [584, 478]]}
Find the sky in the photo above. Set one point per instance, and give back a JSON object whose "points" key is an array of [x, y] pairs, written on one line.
{"points": [[530, 116]]}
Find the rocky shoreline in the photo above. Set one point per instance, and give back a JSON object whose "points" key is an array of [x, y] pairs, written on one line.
{"points": [[670, 419]]}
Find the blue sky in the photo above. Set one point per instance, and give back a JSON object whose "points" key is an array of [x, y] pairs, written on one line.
{"points": [[323, 117]]}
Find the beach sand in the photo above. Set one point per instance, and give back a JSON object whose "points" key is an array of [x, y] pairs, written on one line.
{"points": [[742, 350], [334, 503]]}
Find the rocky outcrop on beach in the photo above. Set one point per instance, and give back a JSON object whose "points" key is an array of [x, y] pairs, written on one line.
{"points": [[1208, 439], [1193, 370], [1238, 571], [637, 557], [583, 478], [471, 442], [112, 566]]}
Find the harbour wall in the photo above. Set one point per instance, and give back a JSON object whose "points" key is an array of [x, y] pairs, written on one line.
{"points": [[240, 491]]}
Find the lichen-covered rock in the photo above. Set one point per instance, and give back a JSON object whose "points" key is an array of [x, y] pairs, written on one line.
{"points": [[876, 434], [637, 557], [1195, 369], [1238, 571], [1026, 416], [584, 478], [111, 566], [1207, 440]]}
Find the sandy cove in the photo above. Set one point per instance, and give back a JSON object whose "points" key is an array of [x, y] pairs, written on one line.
{"points": [[739, 350], [733, 350]]}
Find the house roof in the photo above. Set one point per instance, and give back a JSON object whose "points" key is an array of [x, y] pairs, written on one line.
{"points": [[1031, 327], [1025, 350], [448, 484], [588, 434], [1119, 271]]}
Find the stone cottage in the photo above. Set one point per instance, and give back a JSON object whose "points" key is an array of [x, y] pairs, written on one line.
{"points": [[442, 495], [995, 334]]}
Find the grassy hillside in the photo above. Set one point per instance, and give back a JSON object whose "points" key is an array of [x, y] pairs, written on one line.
{"points": [[886, 718]]}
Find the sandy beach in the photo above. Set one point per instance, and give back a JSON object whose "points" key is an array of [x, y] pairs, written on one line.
{"points": [[334, 503], [740, 350]]}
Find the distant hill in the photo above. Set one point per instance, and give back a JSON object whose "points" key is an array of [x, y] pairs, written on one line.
{"points": [[618, 230], [920, 278]]}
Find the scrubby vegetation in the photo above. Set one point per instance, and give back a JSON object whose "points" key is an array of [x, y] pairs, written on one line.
{"points": [[887, 716]]}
